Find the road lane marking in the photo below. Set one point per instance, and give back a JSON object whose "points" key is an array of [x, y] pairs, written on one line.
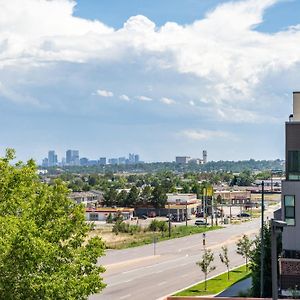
{"points": [[125, 297], [162, 283], [184, 275]]}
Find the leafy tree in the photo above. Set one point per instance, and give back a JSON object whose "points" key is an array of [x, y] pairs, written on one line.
{"points": [[44, 251], [146, 195], [110, 197], [205, 265], [109, 218], [132, 197], [244, 245], [121, 198], [255, 263], [225, 259], [159, 197], [93, 180]]}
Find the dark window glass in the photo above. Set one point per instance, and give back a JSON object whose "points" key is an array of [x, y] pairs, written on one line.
{"points": [[289, 209], [293, 165]]}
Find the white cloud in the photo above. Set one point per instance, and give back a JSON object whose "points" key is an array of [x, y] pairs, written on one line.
{"points": [[204, 134], [124, 98], [228, 58], [167, 101], [104, 93], [16, 97], [144, 98]]}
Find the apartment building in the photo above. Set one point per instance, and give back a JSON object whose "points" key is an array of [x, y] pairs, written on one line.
{"points": [[289, 265]]}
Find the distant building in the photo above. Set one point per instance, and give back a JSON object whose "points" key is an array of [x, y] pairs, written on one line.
{"points": [[89, 199], [122, 160], [84, 161], [102, 213], [182, 159], [102, 161], [131, 158], [113, 161], [45, 162], [93, 162], [72, 158], [289, 262], [136, 158], [204, 156], [52, 158]]}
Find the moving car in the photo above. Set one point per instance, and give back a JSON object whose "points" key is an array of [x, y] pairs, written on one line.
{"points": [[200, 223], [243, 215]]}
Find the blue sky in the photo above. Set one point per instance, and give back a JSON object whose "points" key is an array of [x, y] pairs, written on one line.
{"points": [[158, 78]]}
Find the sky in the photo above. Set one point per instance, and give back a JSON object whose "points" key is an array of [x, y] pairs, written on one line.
{"points": [[160, 78]]}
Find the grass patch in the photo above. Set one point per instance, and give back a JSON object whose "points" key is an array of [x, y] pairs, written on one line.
{"points": [[217, 284], [144, 238]]}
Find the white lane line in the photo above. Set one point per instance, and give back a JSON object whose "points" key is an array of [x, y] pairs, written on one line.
{"points": [[127, 280], [162, 283], [184, 275], [182, 265], [124, 297], [159, 272]]}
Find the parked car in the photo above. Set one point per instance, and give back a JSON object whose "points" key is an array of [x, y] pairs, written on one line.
{"points": [[200, 223], [243, 215]]}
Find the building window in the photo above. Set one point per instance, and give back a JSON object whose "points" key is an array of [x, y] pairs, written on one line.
{"points": [[289, 210], [293, 165]]}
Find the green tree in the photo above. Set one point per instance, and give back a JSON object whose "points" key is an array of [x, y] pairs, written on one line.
{"points": [[244, 245], [44, 251], [225, 259], [110, 197], [159, 197], [255, 263], [146, 195], [205, 265], [132, 197], [121, 198]]}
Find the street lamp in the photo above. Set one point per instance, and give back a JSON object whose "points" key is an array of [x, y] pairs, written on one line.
{"points": [[262, 242], [276, 227]]}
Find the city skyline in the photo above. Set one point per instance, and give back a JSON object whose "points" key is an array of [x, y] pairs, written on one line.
{"points": [[159, 79]]}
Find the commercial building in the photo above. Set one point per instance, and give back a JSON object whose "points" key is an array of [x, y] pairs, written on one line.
{"points": [[102, 161], [89, 199], [72, 158], [182, 159], [102, 213], [52, 158], [289, 266]]}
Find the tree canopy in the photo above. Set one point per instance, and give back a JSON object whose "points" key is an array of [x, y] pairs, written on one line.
{"points": [[44, 251]]}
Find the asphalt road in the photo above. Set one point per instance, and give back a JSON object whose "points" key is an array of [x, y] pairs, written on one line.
{"points": [[137, 273]]}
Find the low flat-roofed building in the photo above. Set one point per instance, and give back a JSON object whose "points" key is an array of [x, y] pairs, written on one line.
{"points": [[102, 213], [87, 198]]}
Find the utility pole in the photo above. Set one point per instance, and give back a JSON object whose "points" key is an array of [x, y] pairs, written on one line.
{"points": [[186, 213], [169, 221], [262, 244]]}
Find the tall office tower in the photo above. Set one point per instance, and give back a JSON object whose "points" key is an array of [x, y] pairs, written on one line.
{"points": [[204, 156], [45, 163], [136, 158], [131, 158], [68, 157], [76, 160], [102, 161], [72, 158], [52, 158], [290, 205], [122, 160]]}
